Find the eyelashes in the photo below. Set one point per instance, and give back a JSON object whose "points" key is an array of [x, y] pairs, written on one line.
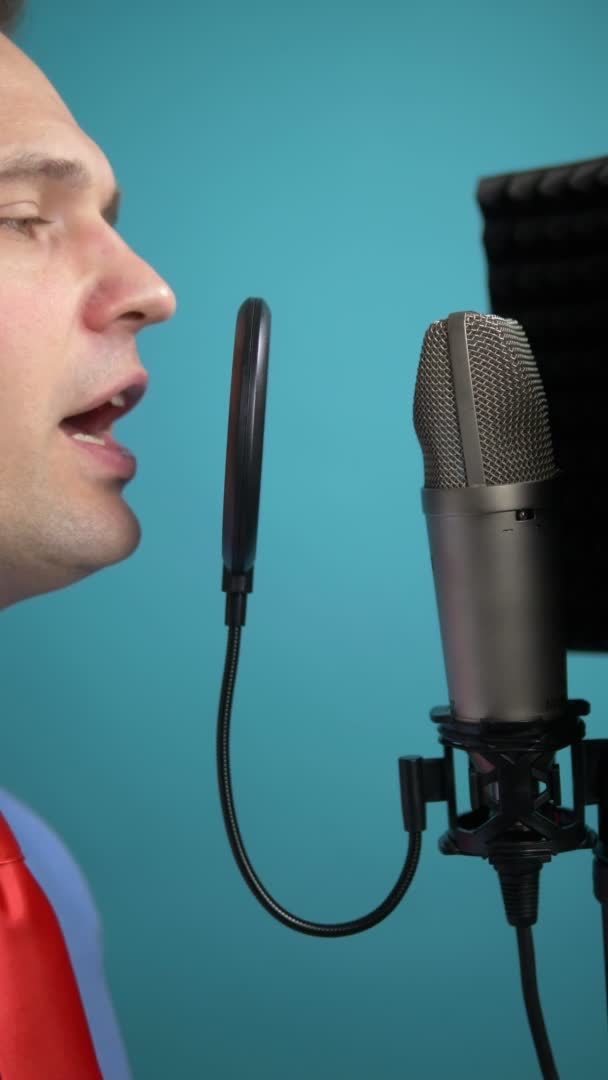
{"points": [[24, 226]]}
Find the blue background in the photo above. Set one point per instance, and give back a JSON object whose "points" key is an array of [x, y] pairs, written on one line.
{"points": [[323, 156]]}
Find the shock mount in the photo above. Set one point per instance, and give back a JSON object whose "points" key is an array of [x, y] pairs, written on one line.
{"points": [[516, 820]]}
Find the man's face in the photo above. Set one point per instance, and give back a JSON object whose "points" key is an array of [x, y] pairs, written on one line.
{"points": [[72, 297]]}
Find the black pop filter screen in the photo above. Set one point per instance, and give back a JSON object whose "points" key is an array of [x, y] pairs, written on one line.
{"points": [[245, 436]]}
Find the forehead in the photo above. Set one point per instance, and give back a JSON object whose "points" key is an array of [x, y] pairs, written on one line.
{"points": [[34, 118]]}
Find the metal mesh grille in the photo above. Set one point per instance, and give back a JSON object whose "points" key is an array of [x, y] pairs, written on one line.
{"points": [[435, 416], [510, 403], [511, 409]]}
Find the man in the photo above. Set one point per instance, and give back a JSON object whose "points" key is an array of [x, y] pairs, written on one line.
{"points": [[72, 297]]}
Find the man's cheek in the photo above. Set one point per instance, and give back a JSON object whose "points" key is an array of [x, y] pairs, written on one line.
{"points": [[25, 386], [33, 345]]}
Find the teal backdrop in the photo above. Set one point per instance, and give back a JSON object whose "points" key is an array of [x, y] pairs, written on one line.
{"points": [[323, 156]]}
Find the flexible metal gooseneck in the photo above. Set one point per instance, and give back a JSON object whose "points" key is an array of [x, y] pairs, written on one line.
{"points": [[304, 926]]}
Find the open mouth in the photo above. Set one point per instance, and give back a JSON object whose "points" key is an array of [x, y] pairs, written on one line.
{"points": [[91, 430], [95, 425]]}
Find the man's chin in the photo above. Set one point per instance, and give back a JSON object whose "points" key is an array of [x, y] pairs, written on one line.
{"points": [[90, 546], [68, 540], [108, 542]]}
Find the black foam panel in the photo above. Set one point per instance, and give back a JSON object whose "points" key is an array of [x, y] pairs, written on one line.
{"points": [[546, 243]]}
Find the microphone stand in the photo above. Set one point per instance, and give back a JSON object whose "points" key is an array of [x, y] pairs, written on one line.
{"points": [[516, 820]]}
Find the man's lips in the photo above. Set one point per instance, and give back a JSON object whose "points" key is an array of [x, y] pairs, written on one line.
{"points": [[111, 455], [91, 429], [92, 415]]}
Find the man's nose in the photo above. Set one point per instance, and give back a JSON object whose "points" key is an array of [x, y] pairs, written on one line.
{"points": [[148, 298], [132, 294], [155, 302]]}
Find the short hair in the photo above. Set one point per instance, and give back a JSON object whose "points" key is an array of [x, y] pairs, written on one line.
{"points": [[10, 11]]}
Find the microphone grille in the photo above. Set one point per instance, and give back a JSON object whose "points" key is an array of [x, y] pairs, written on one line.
{"points": [[510, 408], [435, 415]]}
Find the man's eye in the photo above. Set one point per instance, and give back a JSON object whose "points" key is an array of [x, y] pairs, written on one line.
{"points": [[22, 225]]}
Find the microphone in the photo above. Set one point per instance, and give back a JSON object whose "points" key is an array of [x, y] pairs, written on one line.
{"points": [[491, 499]]}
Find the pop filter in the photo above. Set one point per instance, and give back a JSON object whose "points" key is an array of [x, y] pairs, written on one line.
{"points": [[244, 447]]}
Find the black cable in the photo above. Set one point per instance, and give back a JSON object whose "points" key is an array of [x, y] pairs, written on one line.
{"points": [[605, 937], [354, 926], [527, 963]]}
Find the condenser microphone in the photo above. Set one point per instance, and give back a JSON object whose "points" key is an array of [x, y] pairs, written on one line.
{"points": [[491, 498]]}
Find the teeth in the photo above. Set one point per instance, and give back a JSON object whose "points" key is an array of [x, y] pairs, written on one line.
{"points": [[80, 436], [119, 400]]}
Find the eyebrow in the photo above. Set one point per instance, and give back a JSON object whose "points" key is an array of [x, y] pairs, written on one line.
{"points": [[71, 172]]}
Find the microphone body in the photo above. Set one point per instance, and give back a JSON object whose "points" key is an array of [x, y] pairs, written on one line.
{"points": [[494, 553], [491, 500]]}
